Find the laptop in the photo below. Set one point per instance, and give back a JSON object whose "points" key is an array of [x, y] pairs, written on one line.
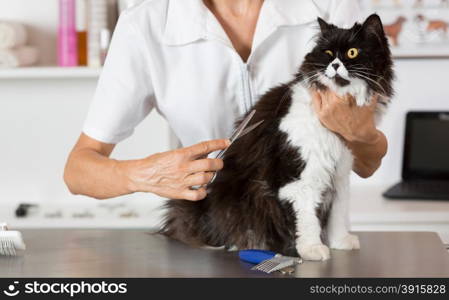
{"points": [[425, 166]]}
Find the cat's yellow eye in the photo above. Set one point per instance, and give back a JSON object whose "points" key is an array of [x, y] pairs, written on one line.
{"points": [[353, 53], [328, 52]]}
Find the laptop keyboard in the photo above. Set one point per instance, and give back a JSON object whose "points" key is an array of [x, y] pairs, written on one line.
{"points": [[426, 186], [438, 190]]}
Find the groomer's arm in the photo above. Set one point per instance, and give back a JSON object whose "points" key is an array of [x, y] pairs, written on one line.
{"points": [[89, 171], [356, 126]]}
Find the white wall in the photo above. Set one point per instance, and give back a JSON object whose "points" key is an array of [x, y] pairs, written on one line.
{"points": [[40, 121]]}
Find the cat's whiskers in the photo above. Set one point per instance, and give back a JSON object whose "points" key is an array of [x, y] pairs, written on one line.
{"points": [[306, 78], [373, 81], [315, 64], [378, 84], [365, 70], [361, 68], [379, 78]]}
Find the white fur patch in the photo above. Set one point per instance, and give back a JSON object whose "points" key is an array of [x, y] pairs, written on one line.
{"points": [[348, 242], [357, 88], [324, 153], [338, 222], [314, 252], [341, 70]]}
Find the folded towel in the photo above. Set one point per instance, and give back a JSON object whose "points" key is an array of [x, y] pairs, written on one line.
{"points": [[12, 34], [18, 57]]}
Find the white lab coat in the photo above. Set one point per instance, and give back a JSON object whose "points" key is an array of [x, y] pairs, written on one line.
{"points": [[173, 56]]}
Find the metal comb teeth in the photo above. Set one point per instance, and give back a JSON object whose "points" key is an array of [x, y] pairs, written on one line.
{"points": [[10, 241], [7, 247], [276, 263]]}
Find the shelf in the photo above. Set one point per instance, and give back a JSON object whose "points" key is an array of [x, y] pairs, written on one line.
{"points": [[50, 73], [88, 215]]}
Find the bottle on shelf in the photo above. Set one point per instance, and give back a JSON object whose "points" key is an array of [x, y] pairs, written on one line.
{"points": [[97, 22], [81, 31], [67, 40]]}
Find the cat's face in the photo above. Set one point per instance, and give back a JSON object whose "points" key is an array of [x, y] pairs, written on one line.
{"points": [[351, 59]]}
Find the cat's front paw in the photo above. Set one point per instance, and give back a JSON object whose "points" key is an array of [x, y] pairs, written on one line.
{"points": [[314, 252], [348, 242]]}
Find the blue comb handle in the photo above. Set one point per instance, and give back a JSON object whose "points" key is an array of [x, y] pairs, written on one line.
{"points": [[255, 256]]}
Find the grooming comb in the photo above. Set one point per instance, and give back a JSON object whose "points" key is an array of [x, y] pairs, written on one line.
{"points": [[10, 241], [268, 261]]}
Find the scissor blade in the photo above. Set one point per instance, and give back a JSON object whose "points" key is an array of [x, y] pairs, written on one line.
{"points": [[244, 132], [242, 126], [237, 133], [249, 129]]}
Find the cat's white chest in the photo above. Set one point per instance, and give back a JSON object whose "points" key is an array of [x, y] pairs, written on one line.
{"points": [[316, 143]]}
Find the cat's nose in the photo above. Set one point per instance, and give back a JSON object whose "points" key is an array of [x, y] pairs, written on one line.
{"points": [[336, 66]]}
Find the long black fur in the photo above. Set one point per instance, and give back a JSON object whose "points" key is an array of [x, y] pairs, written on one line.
{"points": [[243, 208]]}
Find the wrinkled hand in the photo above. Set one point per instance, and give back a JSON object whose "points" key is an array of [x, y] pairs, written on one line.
{"points": [[172, 174], [342, 116]]}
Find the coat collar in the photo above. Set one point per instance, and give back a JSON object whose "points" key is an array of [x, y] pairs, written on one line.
{"points": [[189, 21]]}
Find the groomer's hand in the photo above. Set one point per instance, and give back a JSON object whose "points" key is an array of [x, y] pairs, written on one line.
{"points": [[357, 128], [342, 116], [172, 174]]}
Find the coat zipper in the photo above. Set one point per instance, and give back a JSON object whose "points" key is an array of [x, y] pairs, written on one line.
{"points": [[246, 83]]}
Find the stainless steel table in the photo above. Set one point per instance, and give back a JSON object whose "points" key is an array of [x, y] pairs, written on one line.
{"points": [[125, 253]]}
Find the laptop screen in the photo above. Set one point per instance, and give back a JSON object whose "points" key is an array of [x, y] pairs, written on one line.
{"points": [[426, 146]]}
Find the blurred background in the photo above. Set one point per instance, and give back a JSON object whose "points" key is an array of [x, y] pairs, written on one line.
{"points": [[46, 86], [42, 109]]}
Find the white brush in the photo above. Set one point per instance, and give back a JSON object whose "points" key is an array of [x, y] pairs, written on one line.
{"points": [[10, 241]]}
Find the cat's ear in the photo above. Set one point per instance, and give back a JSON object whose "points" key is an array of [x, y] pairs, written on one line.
{"points": [[373, 26], [324, 26]]}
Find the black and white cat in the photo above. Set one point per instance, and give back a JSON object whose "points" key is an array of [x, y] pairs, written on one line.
{"points": [[285, 186]]}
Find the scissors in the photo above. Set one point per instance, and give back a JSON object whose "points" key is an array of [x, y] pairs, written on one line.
{"points": [[239, 132]]}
